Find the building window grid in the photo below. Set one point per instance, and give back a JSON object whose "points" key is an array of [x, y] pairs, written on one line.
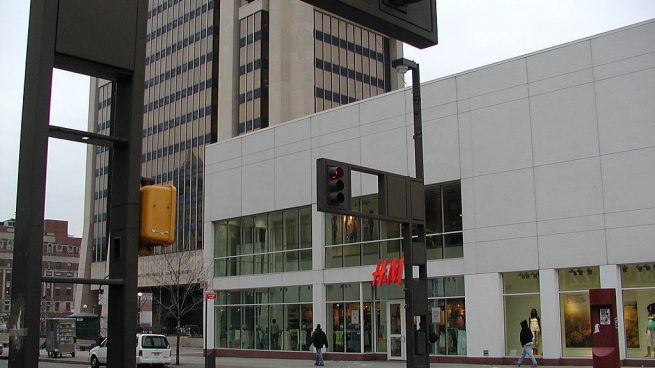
{"points": [[341, 43], [353, 241], [193, 43], [276, 256], [253, 73], [444, 231]]}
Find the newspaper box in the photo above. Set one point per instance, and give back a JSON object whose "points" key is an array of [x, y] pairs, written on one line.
{"points": [[60, 337]]}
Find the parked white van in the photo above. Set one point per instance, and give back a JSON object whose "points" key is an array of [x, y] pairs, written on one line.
{"points": [[151, 350]]}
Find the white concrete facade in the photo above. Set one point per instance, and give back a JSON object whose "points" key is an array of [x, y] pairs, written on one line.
{"points": [[555, 152]]}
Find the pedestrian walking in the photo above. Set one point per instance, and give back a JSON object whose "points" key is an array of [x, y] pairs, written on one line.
{"points": [[526, 343], [319, 339]]}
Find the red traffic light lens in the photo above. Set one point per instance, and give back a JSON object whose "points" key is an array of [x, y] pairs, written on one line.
{"points": [[335, 172]]}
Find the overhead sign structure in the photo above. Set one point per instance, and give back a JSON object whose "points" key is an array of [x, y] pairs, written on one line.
{"points": [[104, 39], [410, 21]]}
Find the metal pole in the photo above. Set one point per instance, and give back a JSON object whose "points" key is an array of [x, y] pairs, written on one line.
{"points": [[30, 198], [422, 336], [210, 356], [418, 355]]}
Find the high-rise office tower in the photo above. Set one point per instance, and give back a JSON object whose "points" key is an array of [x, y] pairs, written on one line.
{"points": [[218, 69]]}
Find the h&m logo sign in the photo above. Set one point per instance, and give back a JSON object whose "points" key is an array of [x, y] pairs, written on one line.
{"points": [[388, 271]]}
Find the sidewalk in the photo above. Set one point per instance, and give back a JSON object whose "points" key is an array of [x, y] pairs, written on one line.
{"points": [[193, 358]]}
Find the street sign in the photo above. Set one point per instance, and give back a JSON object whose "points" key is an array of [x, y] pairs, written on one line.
{"points": [[210, 295]]}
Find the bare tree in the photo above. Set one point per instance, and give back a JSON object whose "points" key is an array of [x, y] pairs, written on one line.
{"points": [[178, 276]]}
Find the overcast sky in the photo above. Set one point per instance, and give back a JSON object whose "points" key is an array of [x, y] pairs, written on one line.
{"points": [[472, 33]]}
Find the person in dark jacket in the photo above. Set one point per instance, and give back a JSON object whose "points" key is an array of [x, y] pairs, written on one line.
{"points": [[526, 343], [319, 339]]}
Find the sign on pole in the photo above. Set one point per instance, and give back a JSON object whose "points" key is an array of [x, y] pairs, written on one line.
{"points": [[210, 295]]}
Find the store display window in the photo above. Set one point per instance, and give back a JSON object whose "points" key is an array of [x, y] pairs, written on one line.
{"points": [[522, 302], [638, 288], [575, 318], [265, 319], [349, 311], [447, 315]]}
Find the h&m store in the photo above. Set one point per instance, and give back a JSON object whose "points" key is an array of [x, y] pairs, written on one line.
{"points": [[537, 190]]}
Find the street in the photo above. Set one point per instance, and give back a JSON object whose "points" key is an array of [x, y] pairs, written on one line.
{"points": [[196, 361]]}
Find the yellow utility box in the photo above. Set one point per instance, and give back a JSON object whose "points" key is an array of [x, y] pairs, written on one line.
{"points": [[158, 214]]}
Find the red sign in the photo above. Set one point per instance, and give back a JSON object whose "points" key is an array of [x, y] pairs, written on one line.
{"points": [[388, 271], [210, 295]]}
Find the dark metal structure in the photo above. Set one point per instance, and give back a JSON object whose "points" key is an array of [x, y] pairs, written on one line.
{"points": [[104, 39], [417, 307], [410, 21], [400, 199]]}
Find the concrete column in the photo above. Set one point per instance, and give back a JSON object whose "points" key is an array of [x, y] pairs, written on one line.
{"points": [[291, 60], [228, 79], [484, 311], [551, 330], [318, 304], [318, 239], [208, 308]]}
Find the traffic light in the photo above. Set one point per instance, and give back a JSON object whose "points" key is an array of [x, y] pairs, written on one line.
{"points": [[335, 185], [333, 190], [158, 210]]}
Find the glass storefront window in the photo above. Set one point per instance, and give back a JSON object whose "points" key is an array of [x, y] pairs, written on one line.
{"points": [[357, 241], [638, 288], [279, 241], [522, 302], [447, 315], [349, 324], [574, 285], [265, 319]]}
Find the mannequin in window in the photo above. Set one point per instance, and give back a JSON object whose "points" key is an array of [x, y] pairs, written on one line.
{"points": [[457, 332], [535, 328], [275, 335]]}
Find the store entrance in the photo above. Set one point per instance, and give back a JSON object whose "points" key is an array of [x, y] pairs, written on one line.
{"points": [[396, 349]]}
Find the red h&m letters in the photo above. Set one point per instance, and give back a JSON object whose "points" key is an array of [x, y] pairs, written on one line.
{"points": [[388, 271]]}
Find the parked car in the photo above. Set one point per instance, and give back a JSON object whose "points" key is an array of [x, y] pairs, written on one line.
{"points": [[151, 350]]}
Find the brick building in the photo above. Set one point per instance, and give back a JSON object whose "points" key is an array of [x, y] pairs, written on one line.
{"points": [[60, 258]]}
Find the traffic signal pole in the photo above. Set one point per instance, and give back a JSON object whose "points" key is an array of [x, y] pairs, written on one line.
{"points": [[416, 313], [400, 199]]}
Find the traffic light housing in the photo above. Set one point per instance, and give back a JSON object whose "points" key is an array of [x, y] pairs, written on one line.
{"points": [[333, 186], [158, 210]]}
